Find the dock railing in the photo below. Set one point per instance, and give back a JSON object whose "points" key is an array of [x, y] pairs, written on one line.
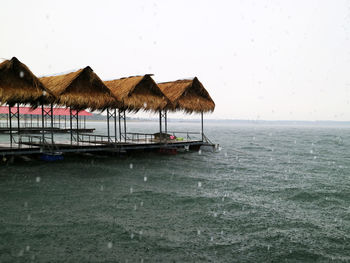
{"points": [[94, 138], [35, 141]]}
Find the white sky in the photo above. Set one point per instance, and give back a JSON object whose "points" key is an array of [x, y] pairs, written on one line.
{"points": [[272, 60]]}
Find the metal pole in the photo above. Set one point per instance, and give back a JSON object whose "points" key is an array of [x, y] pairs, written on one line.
{"points": [[71, 126], [108, 124], [18, 128], [202, 125], [124, 127], [43, 123], [10, 122], [115, 125], [166, 121], [120, 126], [160, 125], [51, 109], [77, 127]]}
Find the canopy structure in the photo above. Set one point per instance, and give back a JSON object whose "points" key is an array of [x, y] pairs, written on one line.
{"points": [[138, 92], [19, 85], [37, 111], [188, 95], [81, 89]]}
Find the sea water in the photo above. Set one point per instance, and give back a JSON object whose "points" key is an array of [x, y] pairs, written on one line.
{"points": [[271, 194]]}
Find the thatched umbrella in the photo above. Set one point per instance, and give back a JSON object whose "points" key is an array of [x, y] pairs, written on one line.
{"points": [[19, 85], [81, 89], [188, 95], [138, 92]]}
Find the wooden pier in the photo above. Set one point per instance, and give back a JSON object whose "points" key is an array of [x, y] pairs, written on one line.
{"points": [[37, 147], [36, 109]]}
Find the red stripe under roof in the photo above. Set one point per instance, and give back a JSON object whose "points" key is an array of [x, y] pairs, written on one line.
{"points": [[37, 111]]}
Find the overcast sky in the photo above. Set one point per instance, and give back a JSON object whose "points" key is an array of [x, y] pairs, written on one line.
{"points": [[271, 60]]}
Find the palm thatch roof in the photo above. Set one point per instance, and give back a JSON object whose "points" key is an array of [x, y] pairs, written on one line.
{"points": [[188, 95], [19, 85], [138, 92], [81, 89]]}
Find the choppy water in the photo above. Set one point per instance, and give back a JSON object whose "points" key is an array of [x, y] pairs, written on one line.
{"points": [[272, 194]]}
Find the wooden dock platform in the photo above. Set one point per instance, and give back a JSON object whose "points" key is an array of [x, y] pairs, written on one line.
{"points": [[85, 147]]}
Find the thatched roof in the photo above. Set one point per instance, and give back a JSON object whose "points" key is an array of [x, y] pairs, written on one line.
{"points": [[188, 95], [81, 89], [19, 85], [138, 92]]}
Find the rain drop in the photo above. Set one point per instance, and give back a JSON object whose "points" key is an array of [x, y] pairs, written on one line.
{"points": [[145, 178], [131, 190], [27, 248], [200, 152], [21, 74], [132, 235], [131, 166], [145, 104], [38, 179], [110, 245], [199, 184], [198, 232]]}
